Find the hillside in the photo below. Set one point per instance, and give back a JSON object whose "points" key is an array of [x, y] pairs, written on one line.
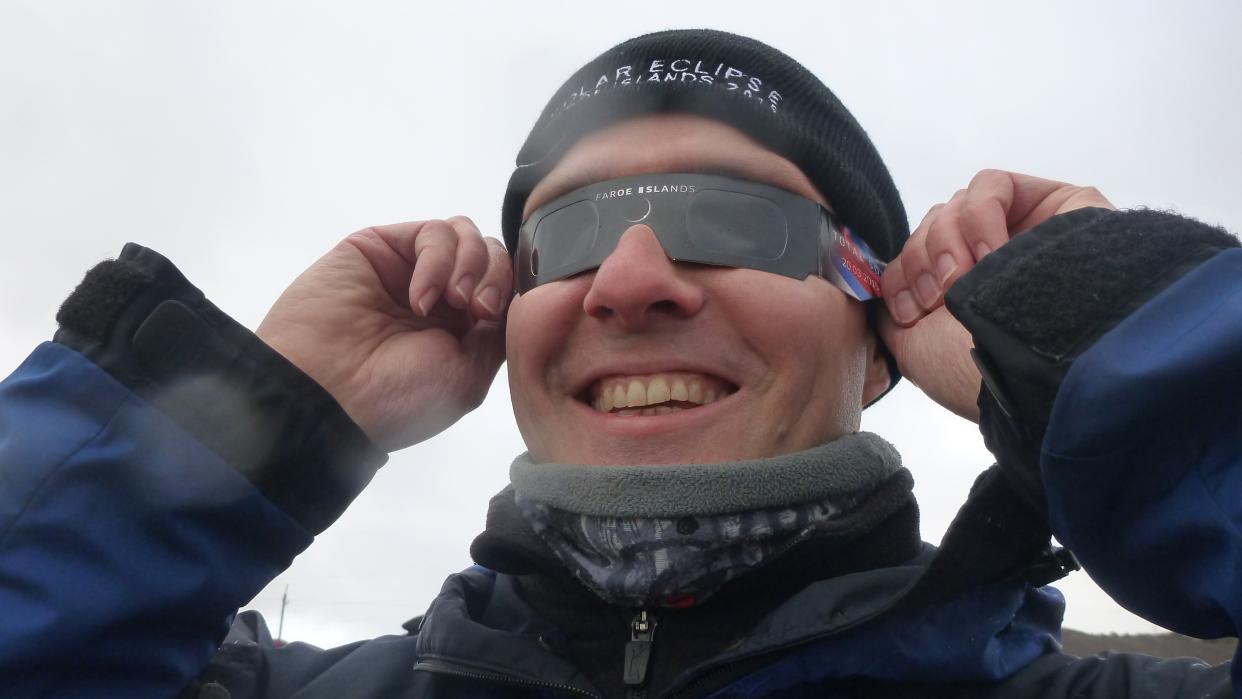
{"points": [[1165, 645]]}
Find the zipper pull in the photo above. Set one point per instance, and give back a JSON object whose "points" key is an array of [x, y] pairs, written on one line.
{"points": [[638, 650]]}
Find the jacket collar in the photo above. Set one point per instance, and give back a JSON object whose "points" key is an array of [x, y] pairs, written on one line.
{"points": [[480, 624], [489, 618]]}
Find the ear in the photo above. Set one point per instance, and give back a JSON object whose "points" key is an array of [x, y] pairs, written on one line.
{"points": [[878, 378]]}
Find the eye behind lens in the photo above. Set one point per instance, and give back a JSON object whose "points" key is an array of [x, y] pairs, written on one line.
{"points": [[564, 237], [737, 224]]}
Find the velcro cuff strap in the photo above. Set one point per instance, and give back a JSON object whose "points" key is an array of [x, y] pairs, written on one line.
{"points": [[1040, 301], [103, 294], [139, 319], [1044, 298]]}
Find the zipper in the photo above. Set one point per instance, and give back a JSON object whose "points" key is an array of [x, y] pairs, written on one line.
{"points": [[638, 654], [446, 668]]}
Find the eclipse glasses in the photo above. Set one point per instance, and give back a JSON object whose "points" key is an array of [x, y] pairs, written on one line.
{"points": [[706, 219]]}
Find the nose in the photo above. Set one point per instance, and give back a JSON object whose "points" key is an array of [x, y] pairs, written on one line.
{"points": [[637, 284]]}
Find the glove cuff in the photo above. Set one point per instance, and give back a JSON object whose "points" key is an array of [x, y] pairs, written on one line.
{"points": [[139, 319], [1048, 295]]}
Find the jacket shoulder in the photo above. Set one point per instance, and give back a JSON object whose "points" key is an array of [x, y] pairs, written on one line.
{"points": [[251, 664]]}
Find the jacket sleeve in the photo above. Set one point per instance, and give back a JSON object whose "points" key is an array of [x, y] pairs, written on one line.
{"points": [[1111, 349], [1143, 455], [158, 466]]}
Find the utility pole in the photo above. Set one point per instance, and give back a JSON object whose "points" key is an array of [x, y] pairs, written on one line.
{"points": [[284, 602]]}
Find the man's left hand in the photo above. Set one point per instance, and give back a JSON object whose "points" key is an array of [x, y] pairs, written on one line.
{"points": [[931, 348]]}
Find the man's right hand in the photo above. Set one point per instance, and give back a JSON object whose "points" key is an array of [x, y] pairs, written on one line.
{"points": [[931, 347], [402, 324]]}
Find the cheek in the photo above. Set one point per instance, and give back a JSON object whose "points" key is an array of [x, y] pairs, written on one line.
{"points": [[813, 341], [527, 335], [841, 352], [808, 322], [522, 331], [536, 328], [537, 323]]}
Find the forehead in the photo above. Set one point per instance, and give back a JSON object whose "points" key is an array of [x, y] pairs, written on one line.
{"points": [[668, 143]]}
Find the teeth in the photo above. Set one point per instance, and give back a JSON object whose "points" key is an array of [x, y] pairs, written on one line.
{"points": [[657, 391], [679, 390], [695, 393], [636, 394], [646, 395]]}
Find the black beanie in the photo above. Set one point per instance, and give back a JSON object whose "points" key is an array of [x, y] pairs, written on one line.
{"points": [[742, 82]]}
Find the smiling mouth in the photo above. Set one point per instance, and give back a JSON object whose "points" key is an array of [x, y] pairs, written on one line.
{"points": [[656, 394]]}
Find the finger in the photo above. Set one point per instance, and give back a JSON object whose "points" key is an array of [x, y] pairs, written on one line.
{"points": [[381, 247], [986, 211], [1037, 199], [894, 278], [898, 297], [399, 237], [1084, 197], [948, 251], [919, 265], [470, 264], [496, 286], [435, 249], [1034, 199]]}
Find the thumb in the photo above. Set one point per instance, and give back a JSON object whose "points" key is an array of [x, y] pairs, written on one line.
{"points": [[1035, 200]]}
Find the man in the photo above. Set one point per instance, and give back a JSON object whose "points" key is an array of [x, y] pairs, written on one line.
{"points": [[689, 356]]}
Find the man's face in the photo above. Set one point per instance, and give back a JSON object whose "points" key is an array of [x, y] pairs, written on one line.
{"points": [[712, 363]]}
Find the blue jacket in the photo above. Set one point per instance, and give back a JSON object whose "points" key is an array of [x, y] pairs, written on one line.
{"points": [[128, 506]]}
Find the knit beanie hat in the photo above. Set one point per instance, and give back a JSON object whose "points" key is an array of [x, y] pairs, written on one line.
{"points": [[740, 81]]}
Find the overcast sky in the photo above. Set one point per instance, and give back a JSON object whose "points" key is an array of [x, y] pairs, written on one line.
{"points": [[243, 139]]}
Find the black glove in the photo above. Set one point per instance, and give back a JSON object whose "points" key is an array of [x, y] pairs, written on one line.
{"points": [[140, 320], [1040, 301]]}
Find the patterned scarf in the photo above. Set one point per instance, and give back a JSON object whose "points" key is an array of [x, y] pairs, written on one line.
{"points": [[672, 557]]}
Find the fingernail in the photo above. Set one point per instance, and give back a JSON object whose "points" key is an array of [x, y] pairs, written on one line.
{"points": [[428, 300], [945, 266], [926, 288], [489, 298], [904, 308], [465, 286], [982, 249]]}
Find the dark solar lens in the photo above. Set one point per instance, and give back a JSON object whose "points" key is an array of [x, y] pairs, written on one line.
{"points": [[737, 224], [564, 237]]}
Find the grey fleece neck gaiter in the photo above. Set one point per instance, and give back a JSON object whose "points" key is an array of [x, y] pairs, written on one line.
{"points": [[673, 535]]}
